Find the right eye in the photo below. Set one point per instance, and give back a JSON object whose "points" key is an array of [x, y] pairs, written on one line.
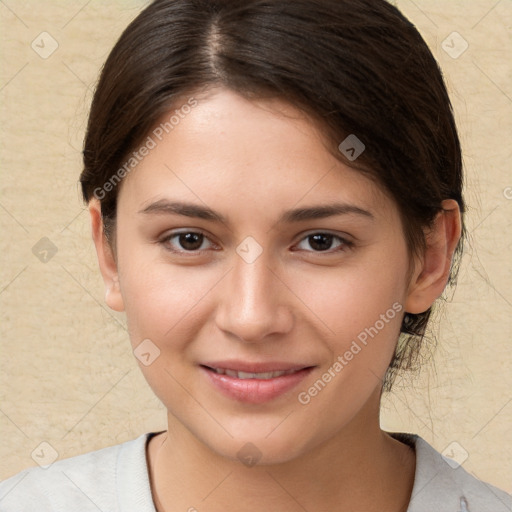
{"points": [[190, 242]]}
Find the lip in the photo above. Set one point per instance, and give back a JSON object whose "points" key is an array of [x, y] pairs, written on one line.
{"points": [[254, 391], [262, 367]]}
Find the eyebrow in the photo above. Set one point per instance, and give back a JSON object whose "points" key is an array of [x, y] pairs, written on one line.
{"points": [[165, 207]]}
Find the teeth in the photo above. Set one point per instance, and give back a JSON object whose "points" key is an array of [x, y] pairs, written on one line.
{"points": [[248, 375]]}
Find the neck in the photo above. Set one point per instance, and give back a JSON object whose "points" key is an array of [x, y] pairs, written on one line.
{"points": [[360, 468]]}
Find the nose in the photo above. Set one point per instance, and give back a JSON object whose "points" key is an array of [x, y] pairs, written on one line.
{"points": [[254, 302]]}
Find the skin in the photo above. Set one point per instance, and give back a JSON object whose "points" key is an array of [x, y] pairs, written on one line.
{"points": [[250, 161]]}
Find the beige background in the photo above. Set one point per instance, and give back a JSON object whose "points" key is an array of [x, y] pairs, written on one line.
{"points": [[68, 377]]}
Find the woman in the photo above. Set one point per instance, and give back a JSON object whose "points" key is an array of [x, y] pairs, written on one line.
{"points": [[275, 193]]}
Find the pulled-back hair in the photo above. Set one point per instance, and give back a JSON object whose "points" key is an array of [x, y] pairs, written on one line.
{"points": [[354, 66]]}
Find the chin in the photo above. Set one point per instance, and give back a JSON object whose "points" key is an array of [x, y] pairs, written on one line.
{"points": [[251, 447]]}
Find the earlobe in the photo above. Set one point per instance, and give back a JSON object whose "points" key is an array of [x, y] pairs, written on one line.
{"points": [[432, 273], [106, 258]]}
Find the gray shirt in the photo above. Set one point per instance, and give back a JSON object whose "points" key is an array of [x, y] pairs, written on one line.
{"points": [[116, 479]]}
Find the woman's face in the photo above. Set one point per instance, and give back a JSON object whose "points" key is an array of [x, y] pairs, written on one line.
{"points": [[244, 245]]}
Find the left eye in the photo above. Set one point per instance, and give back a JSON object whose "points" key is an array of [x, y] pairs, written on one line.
{"points": [[190, 241], [322, 242]]}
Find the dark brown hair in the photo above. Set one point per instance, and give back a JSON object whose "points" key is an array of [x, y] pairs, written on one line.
{"points": [[354, 66]]}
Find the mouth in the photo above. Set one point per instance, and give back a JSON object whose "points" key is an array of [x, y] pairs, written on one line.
{"points": [[254, 383], [251, 375]]}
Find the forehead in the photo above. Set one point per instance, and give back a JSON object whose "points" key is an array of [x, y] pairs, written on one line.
{"points": [[246, 155]]}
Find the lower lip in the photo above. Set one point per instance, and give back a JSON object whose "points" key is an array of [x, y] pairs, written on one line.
{"points": [[255, 391]]}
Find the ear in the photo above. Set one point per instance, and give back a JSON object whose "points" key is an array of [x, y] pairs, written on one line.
{"points": [[431, 273], [106, 258]]}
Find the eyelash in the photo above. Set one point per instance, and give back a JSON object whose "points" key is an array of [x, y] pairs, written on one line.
{"points": [[343, 246]]}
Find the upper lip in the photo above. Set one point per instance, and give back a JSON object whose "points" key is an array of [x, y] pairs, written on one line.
{"points": [[262, 367]]}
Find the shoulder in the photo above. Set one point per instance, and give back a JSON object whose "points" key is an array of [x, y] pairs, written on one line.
{"points": [[441, 484], [91, 481]]}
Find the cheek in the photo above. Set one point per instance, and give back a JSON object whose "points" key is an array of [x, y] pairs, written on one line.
{"points": [[363, 313], [161, 299], [350, 299], [165, 304], [157, 295], [360, 307]]}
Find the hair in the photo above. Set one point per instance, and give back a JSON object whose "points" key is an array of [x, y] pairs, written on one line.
{"points": [[354, 66]]}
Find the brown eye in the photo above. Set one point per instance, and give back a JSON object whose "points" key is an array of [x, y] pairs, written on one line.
{"points": [[186, 241], [190, 241], [320, 242], [323, 242]]}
